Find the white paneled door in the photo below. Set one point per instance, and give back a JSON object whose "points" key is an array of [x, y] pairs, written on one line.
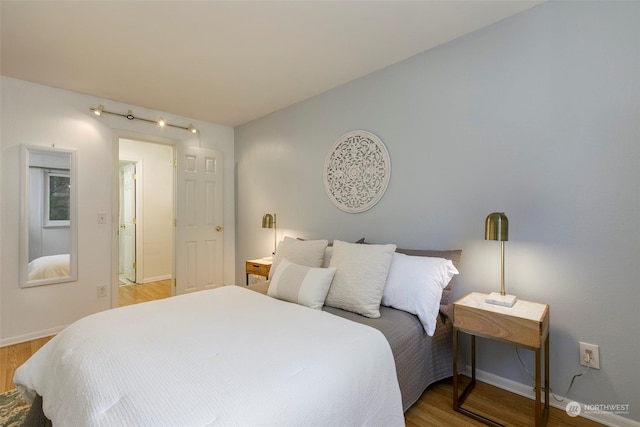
{"points": [[128, 221], [199, 232]]}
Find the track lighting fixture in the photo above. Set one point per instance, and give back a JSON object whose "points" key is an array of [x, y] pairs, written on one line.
{"points": [[129, 116]]}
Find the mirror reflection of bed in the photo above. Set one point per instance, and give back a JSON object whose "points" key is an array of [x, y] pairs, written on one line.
{"points": [[49, 266]]}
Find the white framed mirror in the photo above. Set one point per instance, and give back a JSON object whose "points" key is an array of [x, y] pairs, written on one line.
{"points": [[48, 216]]}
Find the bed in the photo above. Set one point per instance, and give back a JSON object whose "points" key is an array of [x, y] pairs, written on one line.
{"points": [[258, 361], [49, 266]]}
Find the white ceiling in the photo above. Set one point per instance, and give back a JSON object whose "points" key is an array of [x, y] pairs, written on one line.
{"points": [[226, 62]]}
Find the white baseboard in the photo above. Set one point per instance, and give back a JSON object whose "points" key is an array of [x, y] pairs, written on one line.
{"points": [[156, 279], [608, 419], [31, 336]]}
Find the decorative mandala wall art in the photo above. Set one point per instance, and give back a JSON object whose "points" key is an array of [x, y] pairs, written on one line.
{"points": [[357, 171]]}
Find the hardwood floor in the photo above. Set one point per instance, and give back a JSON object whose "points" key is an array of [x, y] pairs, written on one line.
{"points": [[13, 356], [134, 294], [433, 409]]}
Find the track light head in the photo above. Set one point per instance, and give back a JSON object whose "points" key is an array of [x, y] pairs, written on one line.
{"points": [[161, 122], [191, 129], [98, 111]]}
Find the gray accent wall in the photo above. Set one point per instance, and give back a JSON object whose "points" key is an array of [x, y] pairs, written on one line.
{"points": [[537, 116]]}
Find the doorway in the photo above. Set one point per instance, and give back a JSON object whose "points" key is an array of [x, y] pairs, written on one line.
{"points": [[127, 233], [146, 212]]}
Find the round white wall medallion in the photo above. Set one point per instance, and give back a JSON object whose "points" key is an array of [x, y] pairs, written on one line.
{"points": [[357, 171]]}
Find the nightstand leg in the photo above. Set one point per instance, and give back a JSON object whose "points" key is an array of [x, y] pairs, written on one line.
{"points": [[538, 390], [545, 413], [473, 359], [459, 399], [542, 410], [455, 368]]}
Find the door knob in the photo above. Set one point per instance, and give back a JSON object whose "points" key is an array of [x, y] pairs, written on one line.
{"points": [[218, 228]]}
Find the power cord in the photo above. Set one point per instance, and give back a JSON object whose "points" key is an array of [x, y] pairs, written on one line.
{"points": [[587, 359]]}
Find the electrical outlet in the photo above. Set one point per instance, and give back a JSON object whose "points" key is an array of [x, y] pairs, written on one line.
{"points": [[102, 218], [590, 355], [102, 291]]}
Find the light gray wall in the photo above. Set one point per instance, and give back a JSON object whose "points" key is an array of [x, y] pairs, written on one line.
{"points": [[537, 116]]}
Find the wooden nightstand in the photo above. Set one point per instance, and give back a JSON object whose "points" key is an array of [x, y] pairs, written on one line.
{"points": [[526, 324], [259, 267]]}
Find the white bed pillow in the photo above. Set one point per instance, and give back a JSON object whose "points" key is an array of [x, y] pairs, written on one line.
{"points": [[361, 273], [301, 284], [415, 285], [304, 252]]}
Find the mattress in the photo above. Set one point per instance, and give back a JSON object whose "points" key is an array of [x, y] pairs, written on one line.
{"points": [[258, 361], [420, 359]]}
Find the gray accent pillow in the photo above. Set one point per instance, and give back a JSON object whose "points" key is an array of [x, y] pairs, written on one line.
{"points": [[300, 284], [361, 273], [303, 252]]}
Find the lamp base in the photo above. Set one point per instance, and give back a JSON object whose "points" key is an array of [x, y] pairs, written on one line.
{"points": [[503, 300]]}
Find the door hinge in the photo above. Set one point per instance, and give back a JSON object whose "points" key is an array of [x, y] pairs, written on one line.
{"points": [[175, 283], [175, 222], [175, 163], [133, 221], [133, 265], [134, 176]]}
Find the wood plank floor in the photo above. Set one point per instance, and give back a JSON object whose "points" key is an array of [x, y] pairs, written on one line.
{"points": [[13, 356], [433, 409], [134, 294]]}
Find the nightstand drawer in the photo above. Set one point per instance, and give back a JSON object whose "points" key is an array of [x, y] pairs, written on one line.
{"points": [[525, 324], [258, 269]]}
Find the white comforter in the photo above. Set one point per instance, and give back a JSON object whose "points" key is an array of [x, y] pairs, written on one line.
{"points": [[228, 356], [50, 266]]}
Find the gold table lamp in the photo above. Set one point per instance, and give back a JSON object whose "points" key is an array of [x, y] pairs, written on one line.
{"points": [[497, 228], [269, 221]]}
